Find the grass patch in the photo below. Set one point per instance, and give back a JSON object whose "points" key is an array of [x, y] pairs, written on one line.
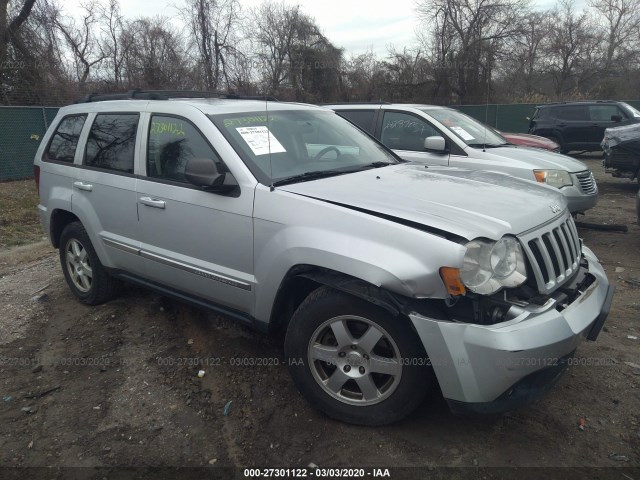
{"points": [[19, 221]]}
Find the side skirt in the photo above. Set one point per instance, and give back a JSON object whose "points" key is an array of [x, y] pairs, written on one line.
{"points": [[240, 317]]}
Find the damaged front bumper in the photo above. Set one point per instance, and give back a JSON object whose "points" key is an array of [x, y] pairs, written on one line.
{"points": [[495, 368]]}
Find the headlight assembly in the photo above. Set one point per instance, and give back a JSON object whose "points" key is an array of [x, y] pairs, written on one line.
{"points": [[554, 178], [490, 266]]}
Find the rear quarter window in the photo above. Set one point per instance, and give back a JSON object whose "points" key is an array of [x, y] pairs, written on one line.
{"points": [[63, 144], [603, 113], [362, 118]]}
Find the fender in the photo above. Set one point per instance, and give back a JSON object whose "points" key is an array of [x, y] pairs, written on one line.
{"points": [[385, 256]]}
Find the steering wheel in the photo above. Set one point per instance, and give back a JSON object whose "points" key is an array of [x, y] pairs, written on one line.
{"points": [[326, 150]]}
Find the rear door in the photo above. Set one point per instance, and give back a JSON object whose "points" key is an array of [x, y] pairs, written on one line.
{"points": [[405, 134], [193, 241], [104, 188], [574, 124]]}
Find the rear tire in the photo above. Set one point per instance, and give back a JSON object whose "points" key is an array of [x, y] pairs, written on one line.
{"points": [[85, 275], [354, 361]]}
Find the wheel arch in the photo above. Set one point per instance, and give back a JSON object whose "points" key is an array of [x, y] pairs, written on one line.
{"points": [[303, 279], [60, 218]]}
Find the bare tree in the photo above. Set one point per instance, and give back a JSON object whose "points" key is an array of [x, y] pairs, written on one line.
{"points": [[115, 45], [276, 28], [468, 37], [522, 69], [213, 24], [82, 40], [295, 59], [157, 57], [10, 24], [358, 75], [621, 19], [409, 75], [569, 53]]}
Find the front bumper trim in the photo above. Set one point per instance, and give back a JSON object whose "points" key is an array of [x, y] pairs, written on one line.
{"points": [[528, 390], [606, 308], [477, 364]]}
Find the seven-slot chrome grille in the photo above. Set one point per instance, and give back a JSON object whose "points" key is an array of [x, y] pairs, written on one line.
{"points": [[587, 182], [553, 252]]}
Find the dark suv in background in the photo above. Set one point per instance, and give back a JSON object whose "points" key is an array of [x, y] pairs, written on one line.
{"points": [[580, 125]]}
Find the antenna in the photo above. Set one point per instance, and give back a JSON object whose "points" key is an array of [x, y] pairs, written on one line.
{"points": [[486, 116], [266, 109]]}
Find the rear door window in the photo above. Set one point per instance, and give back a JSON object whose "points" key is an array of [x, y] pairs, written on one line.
{"points": [[63, 144], [111, 142], [603, 113]]}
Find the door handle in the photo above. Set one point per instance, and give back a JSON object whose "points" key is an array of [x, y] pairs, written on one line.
{"points": [[87, 187], [152, 202]]}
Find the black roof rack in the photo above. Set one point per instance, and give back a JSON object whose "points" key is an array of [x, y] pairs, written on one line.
{"points": [[168, 94], [577, 101]]}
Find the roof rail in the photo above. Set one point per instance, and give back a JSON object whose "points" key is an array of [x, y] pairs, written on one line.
{"points": [[564, 102], [168, 94]]}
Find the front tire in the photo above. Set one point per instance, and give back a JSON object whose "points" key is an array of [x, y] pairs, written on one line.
{"points": [[85, 275], [354, 361]]}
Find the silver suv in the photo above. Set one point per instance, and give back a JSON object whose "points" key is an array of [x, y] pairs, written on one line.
{"points": [[444, 136], [388, 277]]}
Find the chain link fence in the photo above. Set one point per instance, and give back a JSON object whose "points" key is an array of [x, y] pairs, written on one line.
{"points": [[21, 129]]}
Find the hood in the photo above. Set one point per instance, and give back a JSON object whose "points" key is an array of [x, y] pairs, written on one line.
{"points": [[466, 203], [534, 157], [527, 140]]}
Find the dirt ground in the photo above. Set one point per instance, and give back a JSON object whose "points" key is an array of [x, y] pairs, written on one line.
{"points": [[117, 385]]}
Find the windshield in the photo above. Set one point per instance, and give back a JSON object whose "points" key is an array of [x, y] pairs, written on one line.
{"points": [[469, 130], [300, 143]]}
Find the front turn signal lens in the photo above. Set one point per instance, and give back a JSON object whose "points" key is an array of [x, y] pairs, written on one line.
{"points": [[541, 175], [451, 278]]}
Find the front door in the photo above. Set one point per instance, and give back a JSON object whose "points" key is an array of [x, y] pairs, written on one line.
{"points": [[193, 241], [405, 134]]}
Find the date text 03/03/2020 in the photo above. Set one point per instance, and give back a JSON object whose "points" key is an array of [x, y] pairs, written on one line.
{"points": [[317, 472]]}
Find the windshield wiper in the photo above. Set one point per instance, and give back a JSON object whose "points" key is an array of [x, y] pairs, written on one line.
{"points": [[305, 177], [488, 145]]}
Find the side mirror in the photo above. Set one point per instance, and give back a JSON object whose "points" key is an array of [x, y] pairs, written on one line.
{"points": [[528, 118], [435, 144], [616, 118], [203, 172]]}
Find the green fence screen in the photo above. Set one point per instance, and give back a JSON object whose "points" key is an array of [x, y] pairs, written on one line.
{"points": [[509, 117], [21, 129]]}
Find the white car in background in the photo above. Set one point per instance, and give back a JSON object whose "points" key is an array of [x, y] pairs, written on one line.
{"points": [[443, 136]]}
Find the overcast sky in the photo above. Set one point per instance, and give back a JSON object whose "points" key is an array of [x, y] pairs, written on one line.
{"points": [[355, 25]]}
